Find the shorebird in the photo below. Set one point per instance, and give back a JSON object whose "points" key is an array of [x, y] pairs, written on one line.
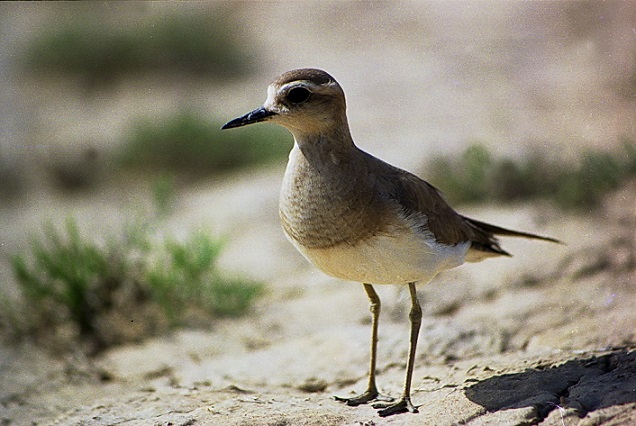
{"points": [[358, 218]]}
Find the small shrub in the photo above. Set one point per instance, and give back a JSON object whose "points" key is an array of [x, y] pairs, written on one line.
{"points": [[186, 273], [67, 272], [98, 51], [74, 289], [477, 177], [585, 184], [200, 44], [191, 144], [474, 165]]}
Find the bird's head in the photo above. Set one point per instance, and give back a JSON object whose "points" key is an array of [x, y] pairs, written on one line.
{"points": [[305, 101]]}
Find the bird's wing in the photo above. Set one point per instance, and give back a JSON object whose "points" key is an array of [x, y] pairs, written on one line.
{"points": [[418, 198], [448, 226], [415, 197]]}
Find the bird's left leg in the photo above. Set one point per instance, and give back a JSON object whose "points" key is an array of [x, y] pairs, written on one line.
{"points": [[371, 394], [404, 404]]}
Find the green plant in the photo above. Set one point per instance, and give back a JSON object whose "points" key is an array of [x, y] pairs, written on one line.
{"points": [[191, 144], [96, 292], [66, 272], [476, 176], [584, 185], [101, 50], [473, 166], [186, 274]]}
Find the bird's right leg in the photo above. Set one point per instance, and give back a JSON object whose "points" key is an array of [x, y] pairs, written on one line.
{"points": [[371, 394]]}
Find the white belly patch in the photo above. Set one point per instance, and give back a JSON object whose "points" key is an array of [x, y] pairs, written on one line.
{"points": [[399, 258]]}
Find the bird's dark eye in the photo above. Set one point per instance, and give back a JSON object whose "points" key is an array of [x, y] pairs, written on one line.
{"points": [[298, 95]]}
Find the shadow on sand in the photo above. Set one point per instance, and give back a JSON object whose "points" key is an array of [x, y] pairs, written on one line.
{"points": [[585, 385]]}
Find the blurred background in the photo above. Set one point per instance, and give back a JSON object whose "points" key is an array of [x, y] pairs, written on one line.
{"points": [[110, 148]]}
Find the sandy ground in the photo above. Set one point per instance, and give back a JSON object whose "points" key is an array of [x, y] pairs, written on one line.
{"points": [[546, 337]]}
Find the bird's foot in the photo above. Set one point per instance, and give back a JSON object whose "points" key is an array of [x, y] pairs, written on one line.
{"points": [[402, 406], [366, 397]]}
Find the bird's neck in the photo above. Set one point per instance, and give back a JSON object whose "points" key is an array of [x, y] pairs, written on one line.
{"points": [[326, 180], [327, 148]]}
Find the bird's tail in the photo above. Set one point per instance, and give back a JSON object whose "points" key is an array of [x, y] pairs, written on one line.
{"points": [[496, 230]]}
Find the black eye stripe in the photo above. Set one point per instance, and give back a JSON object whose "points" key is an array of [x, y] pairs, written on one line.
{"points": [[298, 95]]}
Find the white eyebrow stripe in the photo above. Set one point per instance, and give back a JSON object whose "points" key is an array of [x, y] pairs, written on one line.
{"points": [[301, 83], [307, 84]]}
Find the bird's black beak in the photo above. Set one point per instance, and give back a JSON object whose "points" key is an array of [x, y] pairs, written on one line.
{"points": [[259, 114]]}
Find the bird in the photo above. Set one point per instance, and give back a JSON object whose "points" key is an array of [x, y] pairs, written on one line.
{"points": [[358, 218]]}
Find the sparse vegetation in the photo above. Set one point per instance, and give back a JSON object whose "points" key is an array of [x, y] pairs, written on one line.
{"points": [[191, 144], [102, 295], [163, 193], [67, 272], [99, 50], [184, 273], [477, 176]]}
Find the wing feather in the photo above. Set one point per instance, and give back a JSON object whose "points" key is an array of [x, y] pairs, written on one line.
{"points": [[415, 197]]}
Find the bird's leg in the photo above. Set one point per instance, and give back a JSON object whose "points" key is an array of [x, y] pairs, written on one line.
{"points": [[404, 404], [371, 394]]}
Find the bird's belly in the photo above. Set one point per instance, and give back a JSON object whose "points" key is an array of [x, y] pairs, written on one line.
{"points": [[389, 258]]}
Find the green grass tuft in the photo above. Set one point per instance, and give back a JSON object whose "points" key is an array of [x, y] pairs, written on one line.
{"points": [[65, 271], [476, 176], [123, 291], [191, 144], [98, 50], [185, 273]]}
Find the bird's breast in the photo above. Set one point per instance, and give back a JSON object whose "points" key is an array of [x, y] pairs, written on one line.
{"points": [[321, 209]]}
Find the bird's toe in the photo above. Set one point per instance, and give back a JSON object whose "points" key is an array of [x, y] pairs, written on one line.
{"points": [[402, 406], [366, 397]]}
